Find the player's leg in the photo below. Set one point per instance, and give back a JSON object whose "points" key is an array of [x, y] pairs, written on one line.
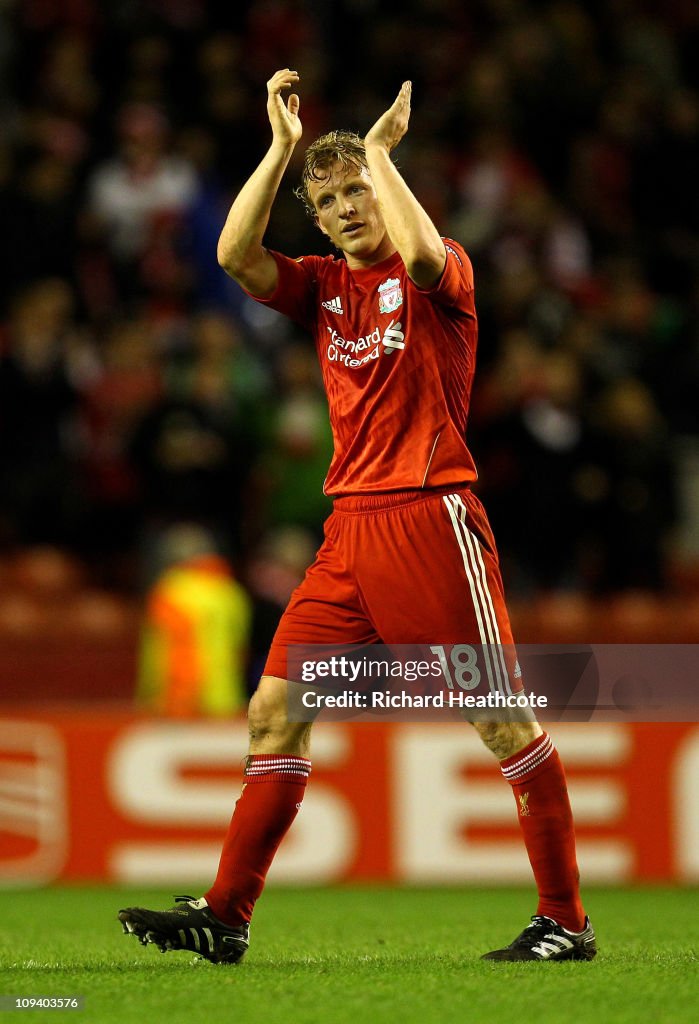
{"points": [[275, 776], [277, 767], [324, 610], [530, 763], [429, 573]]}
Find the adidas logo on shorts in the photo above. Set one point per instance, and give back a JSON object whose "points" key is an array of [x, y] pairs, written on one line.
{"points": [[334, 305]]}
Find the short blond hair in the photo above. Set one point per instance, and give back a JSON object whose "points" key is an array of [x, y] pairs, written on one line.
{"points": [[338, 147]]}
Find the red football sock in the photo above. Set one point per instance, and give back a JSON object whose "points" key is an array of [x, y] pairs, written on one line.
{"points": [[272, 794], [538, 781]]}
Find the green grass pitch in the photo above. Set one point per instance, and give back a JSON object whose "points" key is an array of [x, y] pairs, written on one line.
{"points": [[360, 955]]}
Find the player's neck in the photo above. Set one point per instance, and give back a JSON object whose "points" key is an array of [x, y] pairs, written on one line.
{"points": [[382, 252]]}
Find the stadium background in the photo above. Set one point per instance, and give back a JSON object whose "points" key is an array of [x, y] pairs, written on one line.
{"points": [[140, 390]]}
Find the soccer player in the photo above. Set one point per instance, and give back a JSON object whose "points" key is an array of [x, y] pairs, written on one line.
{"points": [[408, 555]]}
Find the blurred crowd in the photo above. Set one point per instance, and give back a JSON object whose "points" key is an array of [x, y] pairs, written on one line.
{"points": [[140, 388]]}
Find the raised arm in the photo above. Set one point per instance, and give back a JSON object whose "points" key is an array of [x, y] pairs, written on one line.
{"points": [[411, 230], [240, 250]]}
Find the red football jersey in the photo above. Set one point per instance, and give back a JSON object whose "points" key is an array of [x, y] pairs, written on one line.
{"points": [[397, 363]]}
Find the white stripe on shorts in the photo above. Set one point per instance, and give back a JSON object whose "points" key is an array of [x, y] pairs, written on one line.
{"points": [[499, 650], [489, 632]]}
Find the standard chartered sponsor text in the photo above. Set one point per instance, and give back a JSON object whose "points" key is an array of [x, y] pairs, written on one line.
{"points": [[343, 350]]}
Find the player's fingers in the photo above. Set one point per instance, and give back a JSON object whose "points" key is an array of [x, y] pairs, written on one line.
{"points": [[293, 104], [281, 80], [401, 104]]}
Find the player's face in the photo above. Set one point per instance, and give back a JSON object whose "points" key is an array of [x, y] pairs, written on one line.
{"points": [[347, 211]]}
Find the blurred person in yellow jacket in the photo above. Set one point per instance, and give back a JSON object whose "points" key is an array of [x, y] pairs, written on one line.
{"points": [[196, 631]]}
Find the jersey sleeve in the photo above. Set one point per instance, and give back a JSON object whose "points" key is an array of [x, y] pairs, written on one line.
{"points": [[296, 288], [455, 286]]}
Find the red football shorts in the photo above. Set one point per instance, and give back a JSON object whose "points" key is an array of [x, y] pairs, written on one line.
{"points": [[404, 568]]}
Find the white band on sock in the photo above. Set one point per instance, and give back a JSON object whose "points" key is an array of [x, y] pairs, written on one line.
{"points": [[283, 764], [533, 759]]}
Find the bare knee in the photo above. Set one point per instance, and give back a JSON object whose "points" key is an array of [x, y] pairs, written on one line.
{"points": [[267, 712], [271, 732], [504, 739]]}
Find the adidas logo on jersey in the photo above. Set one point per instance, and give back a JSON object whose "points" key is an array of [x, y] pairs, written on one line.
{"points": [[334, 305]]}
